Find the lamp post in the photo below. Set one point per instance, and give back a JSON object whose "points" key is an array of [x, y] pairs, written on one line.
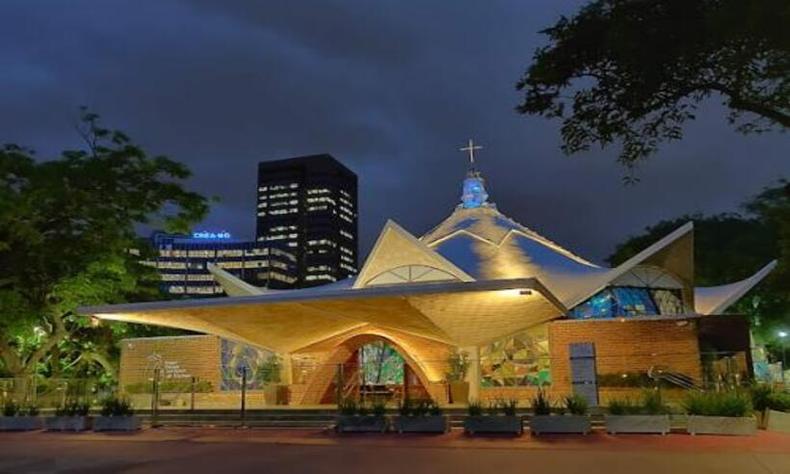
{"points": [[782, 335]]}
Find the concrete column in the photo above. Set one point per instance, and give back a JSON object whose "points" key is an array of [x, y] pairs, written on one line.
{"points": [[473, 372], [287, 373]]}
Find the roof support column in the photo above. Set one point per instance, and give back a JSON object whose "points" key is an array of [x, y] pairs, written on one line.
{"points": [[286, 371], [473, 372]]}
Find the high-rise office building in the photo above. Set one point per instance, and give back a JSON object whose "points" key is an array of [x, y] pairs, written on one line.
{"points": [[307, 207], [183, 262]]}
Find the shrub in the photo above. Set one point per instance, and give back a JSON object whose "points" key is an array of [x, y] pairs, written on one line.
{"points": [[541, 405], [29, 410], [761, 395], [419, 408], [72, 408], [406, 407], [576, 405], [347, 407], [508, 407], [779, 401], [116, 407], [623, 407], [379, 409], [765, 397], [10, 408], [474, 408], [730, 403], [652, 404]]}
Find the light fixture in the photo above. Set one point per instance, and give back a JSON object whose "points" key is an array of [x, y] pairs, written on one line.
{"points": [[782, 334], [515, 292]]}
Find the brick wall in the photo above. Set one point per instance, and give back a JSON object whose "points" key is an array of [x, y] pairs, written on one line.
{"points": [[623, 346], [182, 357]]}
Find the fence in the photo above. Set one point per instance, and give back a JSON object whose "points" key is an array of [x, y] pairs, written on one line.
{"points": [[391, 379]]}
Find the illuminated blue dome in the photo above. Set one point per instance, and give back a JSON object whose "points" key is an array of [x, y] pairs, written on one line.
{"points": [[474, 191]]}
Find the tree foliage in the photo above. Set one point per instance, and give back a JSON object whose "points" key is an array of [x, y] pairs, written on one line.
{"points": [[730, 247], [67, 234], [633, 71]]}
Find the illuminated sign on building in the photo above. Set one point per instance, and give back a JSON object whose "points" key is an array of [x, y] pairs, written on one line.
{"points": [[203, 234]]}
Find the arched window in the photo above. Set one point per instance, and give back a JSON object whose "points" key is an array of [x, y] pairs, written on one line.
{"points": [[410, 274]]}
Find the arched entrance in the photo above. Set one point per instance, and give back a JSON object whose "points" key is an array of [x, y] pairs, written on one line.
{"points": [[373, 368]]}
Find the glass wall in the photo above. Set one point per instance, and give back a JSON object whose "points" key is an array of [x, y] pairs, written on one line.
{"points": [[627, 301]]}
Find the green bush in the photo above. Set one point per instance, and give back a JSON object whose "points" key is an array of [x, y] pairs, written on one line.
{"points": [[10, 408], [508, 407], [624, 406], [474, 408], [779, 401], [730, 403], [116, 407], [29, 410], [419, 408], [379, 409], [652, 404], [760, 396], [73, 408], [541, 405], [765, 397], [576, 404], [347, 407]]}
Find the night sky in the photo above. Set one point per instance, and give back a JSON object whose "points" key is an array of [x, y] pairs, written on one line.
{"points": [[390, 88]]}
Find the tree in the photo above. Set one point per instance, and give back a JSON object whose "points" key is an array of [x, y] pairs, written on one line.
{"points": [[633, 71], [730, 247], [67, 238]]}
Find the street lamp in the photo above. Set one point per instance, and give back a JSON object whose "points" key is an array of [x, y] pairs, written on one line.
{"points": [[782, 335]]}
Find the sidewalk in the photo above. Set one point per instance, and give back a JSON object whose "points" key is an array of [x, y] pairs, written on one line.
{"points": [[763, 442]]}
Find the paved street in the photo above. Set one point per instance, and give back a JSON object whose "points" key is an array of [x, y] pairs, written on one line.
{"points": [[232, 451]]}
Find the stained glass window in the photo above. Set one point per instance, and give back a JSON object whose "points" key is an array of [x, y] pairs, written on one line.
{"points": [[625, 301]]}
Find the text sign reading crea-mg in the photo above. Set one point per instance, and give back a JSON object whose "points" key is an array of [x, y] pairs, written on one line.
{"points": [[203, 234]]}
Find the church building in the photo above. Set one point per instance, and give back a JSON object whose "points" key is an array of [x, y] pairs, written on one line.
{"points": [[478, 308]]}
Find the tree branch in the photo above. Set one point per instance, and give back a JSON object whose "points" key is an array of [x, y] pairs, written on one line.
{"points": [[58, 333]]}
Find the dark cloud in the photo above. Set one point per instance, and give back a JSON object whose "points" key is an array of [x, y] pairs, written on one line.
{"points": [[390, 88]]}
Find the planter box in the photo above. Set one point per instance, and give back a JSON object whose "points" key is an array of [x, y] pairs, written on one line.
{"points": [[361, 424], [67, 423], [422, 424], [459, 392], [493, 424], [637, 424], [20, 423], [116, 423], [721, 425], [777, 421], [578, 424]]}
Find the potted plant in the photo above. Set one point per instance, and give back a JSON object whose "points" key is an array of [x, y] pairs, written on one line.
{"points": [[19, 418], [72, 416], [500, 417], [422, 416], [359, 418], [116, 415], [543, 421], [772, 408], [270, 375], [725, 413], [651, 416], [458, 364]]}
